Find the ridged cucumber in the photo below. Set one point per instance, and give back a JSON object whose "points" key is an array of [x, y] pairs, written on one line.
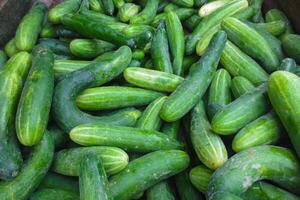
{"points": [[240, 85], [200, 176], [147, 15]]}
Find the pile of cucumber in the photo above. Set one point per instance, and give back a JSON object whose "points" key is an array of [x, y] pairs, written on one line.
{"points": [[150, 99]]}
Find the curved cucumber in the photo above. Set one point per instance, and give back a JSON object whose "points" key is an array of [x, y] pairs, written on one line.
{"points": [[275, 28], [288, 64], [53, 194], [185, 189], [65, 7], [240, 86], [147, 15], [63, 67], [291, 46], [10, 48], [203, 44], [200, 176], [160, 191], [3, 59]]}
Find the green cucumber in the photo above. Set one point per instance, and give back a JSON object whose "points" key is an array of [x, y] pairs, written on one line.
{"points": [[66, 7], [275, 28], [67, 161], [274, 15], [53, 194], [182, 13], [251, 42], [176, 41], [188, 93], [288, 64], [171, 129], [85, 48], [37, 93], [208, 146], [3, 59], [283, 92], [160, 191], [203, 44], [240, 85], [257, 6], [160, 49], [264, 130], [245, 14], [138, 54], [184, 3], [63, 67], [147, 15], [135, 63], [219, 92], [56, 46], [30, 27], [108, 6], [192, 22], [50, 31], [199, 3], [119, 3], [95, 5], [273, 163], [12, 77], [200, 176], [32, 172], [185, 189], [188, 61], [127, 11], [59, 137], [93, 181], [113, 97], [237, 63], [128, 138], [207, 23], [146, 171], [170, 7], [98, 16], [152, 79], [10, 48], [291, 46], [211, 7]]}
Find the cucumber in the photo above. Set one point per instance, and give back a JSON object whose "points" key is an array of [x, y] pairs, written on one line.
{"points": [[160, 191], [282, 90], [210, 7], [53, 194], [160, 49], [65, 111], [66, 7], [63, 67], [95, 5], [240, 86], [119, 3], [152, 79], [188, 61], [85, 48], [108, 6], [138, 54], [30, 27], [275, 28], [93, 181], [203, 44], [32, 172], [50, 31], [171, 129], [196, 83], [37, 93], [237, 63], [147, 15], [257, 6], [59, 137], [170, 7], [12, 77], [176, 41], [240, 112], [200, 176], [192, 22], [198, 3], [146, 171], [245, 14], [291, 46], [99, 16], [56, 46], [288, 64], [10, 48], [185, 189], [273, 163], [127, 138], [67, 161], [182, 13], [184, 3], [219, 92], [203, 28], [251, 42], [127, 11], [3, 59], [208, 146]]}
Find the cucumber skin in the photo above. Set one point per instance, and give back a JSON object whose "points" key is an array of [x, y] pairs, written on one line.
{"points": [[160, 191], [185, 189], [12, 77], [187, 94], [291, 46], [113, 97], [182, 13], [56, 46], [53, 194], [67, 161], [243, 169], [127, 138], [10, 48], [283, 92], [63, 67], [146, 171], [184, 3], [30, 27], [65, 7], [200, 176], [147, 15], [275, 28], [240, 112], [108, 6], [32, 172], [37, 93], [240, 86]]}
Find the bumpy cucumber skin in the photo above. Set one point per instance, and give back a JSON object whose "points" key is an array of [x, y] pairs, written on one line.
{"points": [[283, 90], [146, 171], [200, 176], [63, 67], [288, 64], [243, 169], [152, 79], [240, 86], [160, 191], [185, 189], [196, 83], [291, 46], [147, 15], [65, 7], [32, 172], [3, 59], [53, 194], [237, 63], [67, 162], [12, 77], [240, 112], [114, 97]]}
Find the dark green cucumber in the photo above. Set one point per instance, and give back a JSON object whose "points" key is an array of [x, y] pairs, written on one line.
{"points": [[182, 13], [108, 6], [98, 16], [160, 49], [245, 14], [65, 7], [113, 97], [200, 176], [237, 63], [192, 22], [50, 31], [170, 7], [187, 94], [93, 181], [171, 129], [30, 27], [264, 130], [198, 3], [188, 61], [288, 64], [240, 112], [53, 194], [3, 59], [32, 172], [63, 67], [275, 28], [184, 3], [257, 6], [56, 46], [119, 3], [283, 92], [146, 171], [127, 11], [152, 79], [219, 92], [12, 77], [208, 146], [128, 138], [251, 42], [243, 169], [147, 15], [67, 161], [185, 189], [240, 85], [85, 48], [59, 137], [291, 46], [200, 32], [10, 48], [176, 41], [65, 111], [35, 102], [160, 191]]}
